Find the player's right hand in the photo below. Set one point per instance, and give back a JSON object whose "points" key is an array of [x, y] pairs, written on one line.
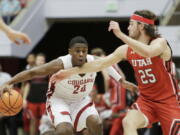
{"points": [[114, 26], [5, 88]]}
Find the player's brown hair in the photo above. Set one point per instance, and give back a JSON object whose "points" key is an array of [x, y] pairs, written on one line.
{"points": [[150, 29]]}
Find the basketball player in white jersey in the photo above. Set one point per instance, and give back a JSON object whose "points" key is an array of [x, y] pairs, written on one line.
{"points": [[68, 102]]}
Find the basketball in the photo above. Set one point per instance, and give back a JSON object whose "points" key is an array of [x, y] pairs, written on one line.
{"points": [[10, 103]]}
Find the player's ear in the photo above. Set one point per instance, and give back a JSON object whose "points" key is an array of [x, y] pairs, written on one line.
{"points": [[141, 26], [70, 51]]}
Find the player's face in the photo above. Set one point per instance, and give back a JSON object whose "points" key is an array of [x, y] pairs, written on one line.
{"points": [[40, 60], [78, 52], [133, 29]]}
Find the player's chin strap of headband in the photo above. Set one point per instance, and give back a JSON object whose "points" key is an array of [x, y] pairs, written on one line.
{"points": [[142, 19]]}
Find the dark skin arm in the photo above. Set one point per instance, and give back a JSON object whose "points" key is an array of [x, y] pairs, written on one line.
{"points": [[42, 70]]}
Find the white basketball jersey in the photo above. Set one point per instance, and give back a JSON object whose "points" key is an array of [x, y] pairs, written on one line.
{"points": [[75, 87]]}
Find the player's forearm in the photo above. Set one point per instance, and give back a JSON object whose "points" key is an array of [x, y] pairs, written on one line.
{"points": [[139, 47], [21, 77], [97, 65]]}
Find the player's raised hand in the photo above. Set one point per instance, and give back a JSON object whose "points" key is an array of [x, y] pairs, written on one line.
{"points": [[60, 75], [16, 36], [114, 26]]}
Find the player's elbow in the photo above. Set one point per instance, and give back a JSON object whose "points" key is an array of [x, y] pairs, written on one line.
{"points": [[148, 54]]}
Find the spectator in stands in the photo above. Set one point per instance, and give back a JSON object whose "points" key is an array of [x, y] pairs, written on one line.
{"points": [[13, 35], [30, 61], [9, 9], [36, 97], [27, 114], [23, 3]]}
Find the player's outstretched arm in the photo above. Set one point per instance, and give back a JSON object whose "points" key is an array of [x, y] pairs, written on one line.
{"points": [[13, 35], [94, 66], [42, 70], [156, 48]]}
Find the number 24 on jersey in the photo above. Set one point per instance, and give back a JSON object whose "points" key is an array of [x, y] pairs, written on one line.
{"points": [[79, 88]]}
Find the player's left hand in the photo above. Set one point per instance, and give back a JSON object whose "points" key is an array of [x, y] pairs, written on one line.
{"points": [[114, 26], [60, 75], [16, 36], [130, 86]]}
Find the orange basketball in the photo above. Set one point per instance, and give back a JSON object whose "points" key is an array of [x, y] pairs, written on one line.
{"points": [[10, 103]]}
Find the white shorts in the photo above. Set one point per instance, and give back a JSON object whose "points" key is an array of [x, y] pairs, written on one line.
{"points": [[45, 124], [75, 113]]}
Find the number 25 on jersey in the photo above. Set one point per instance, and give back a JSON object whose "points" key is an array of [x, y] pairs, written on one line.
{"points": [[147, 76]]}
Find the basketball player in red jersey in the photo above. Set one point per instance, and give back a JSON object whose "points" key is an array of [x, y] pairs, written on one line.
{"points": [[151, 58], [13, 35]]}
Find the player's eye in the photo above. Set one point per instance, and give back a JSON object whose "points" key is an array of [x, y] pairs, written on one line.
{"points": [[78, 51], [84, 51]]}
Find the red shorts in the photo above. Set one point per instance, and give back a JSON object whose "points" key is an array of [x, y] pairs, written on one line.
{"points": [[36, 110], [117, 128], [167, 112]]}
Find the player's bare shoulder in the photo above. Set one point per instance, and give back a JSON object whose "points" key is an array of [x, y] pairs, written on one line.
{"points": [[159, 40], [52, 66], [166, 54], [58, 63], [121, 52]]}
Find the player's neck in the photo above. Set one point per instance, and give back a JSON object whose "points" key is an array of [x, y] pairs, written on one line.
{"points": [[144, 39]]}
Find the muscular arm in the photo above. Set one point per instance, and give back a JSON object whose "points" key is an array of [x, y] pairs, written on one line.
{"points": [[156, 48], [43, 70], [97, 65], [93, 66]]}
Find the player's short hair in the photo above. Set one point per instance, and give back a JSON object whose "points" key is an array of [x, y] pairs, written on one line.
{"points": [[150, 29], [77, 39], [98, 52]]}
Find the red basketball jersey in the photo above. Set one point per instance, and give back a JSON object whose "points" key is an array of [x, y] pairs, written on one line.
{"points": [[154, 77], [117, 95]]}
